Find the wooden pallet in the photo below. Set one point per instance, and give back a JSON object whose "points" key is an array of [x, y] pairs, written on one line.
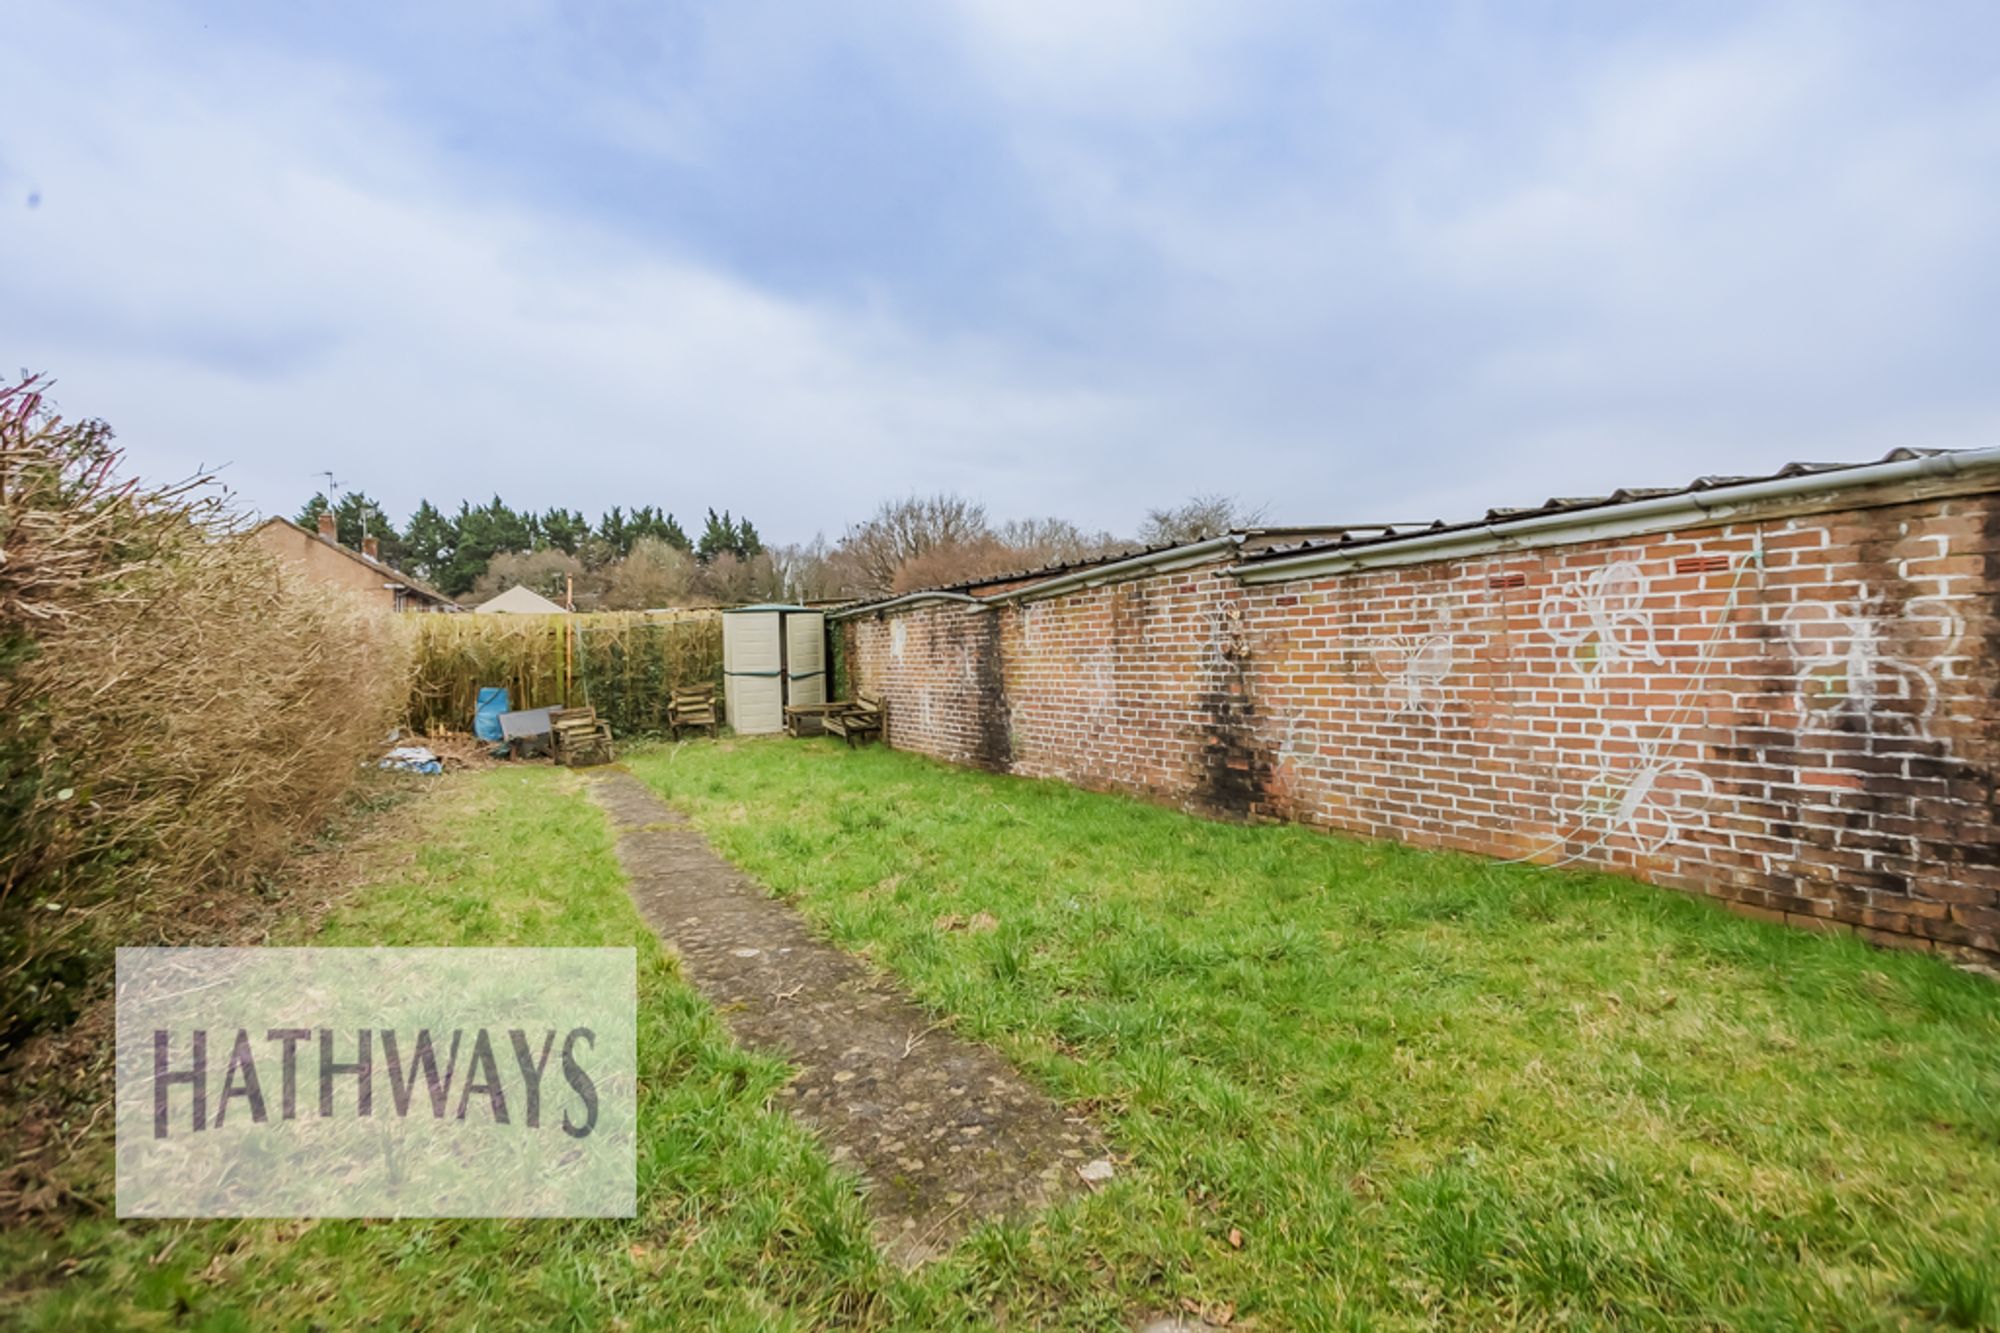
{"points": [[580, 738], [693, 707]]}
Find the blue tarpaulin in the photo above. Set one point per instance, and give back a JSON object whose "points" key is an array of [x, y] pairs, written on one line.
{"points": [[486, 713]]}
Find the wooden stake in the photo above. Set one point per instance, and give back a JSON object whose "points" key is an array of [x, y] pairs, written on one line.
{"points": [[569, 631]]}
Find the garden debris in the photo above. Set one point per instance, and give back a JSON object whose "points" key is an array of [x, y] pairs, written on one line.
{"points": [[460, 750], [945, 1132], [412, 759], [527, 731]]}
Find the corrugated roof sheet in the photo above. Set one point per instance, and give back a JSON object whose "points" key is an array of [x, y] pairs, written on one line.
{"points": [[1256, 538], [1561, 504], [1268, 543]]}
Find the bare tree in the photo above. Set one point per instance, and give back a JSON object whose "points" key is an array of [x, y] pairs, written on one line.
{"points": [[961, 562], [805, 571], [732, 580], [655, 574], [1201, 517], [545, 572], [902, 530], [1049, 541]]}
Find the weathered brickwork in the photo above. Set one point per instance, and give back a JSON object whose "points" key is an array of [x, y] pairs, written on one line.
{"points": [[1796, 715], [939, 676]]}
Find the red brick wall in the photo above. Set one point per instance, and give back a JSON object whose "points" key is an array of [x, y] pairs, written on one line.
{"points": [[1796, 715], [938, 673]]}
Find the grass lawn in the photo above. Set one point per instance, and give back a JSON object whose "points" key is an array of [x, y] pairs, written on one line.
{"points": [[742, 1223], [1417, 1086], [1358, 1086]]}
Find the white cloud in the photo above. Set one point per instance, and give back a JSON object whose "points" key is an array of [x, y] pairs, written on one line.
{"points": [[1662, 256], [1135, 60], [281, 293], [1357, 272]]}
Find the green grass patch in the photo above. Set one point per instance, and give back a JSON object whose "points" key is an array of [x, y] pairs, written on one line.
{"points": [[1418, 1088], [742, 1222], [1422, 1087]]}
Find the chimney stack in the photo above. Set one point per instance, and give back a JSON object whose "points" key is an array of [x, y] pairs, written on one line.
{"points": [[371, 548], [326, 528]]}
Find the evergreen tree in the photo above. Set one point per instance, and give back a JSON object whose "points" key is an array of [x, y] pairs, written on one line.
{"points": [[454, 550], [482, 534], [656, 523], [430, 539], [723, 533], [564, 530], [615, 533], [308, 515]]}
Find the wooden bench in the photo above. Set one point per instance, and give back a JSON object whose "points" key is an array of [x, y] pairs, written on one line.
{"points": [[809, 719], [580, 738], [692, 706], [858, 721]]}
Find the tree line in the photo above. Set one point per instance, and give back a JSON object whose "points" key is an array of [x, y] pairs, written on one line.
{"points": [[643, 558]]}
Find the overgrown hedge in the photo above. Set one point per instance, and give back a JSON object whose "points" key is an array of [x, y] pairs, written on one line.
{"points": [[622, 663], [176, 708]]}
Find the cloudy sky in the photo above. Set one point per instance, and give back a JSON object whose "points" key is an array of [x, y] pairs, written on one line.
{"points": [[1356, 261]]}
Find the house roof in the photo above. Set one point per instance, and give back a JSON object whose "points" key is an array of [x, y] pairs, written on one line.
{"points": [[389, 574], [519, 600]]}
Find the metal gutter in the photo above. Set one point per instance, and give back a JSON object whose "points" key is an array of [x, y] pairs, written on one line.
{"points": [[1154, 562], [1661, 514], [907, 599]]}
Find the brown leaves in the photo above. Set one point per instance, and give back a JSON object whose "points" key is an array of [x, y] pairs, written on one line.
{"points": [[1218, 1314], [978, 923]]}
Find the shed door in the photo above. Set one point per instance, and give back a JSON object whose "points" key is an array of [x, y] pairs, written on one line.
{"points": [[753, 672], [805, 657]]}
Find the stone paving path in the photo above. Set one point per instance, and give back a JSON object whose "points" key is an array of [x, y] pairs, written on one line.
{"points": [[944, 1131]]}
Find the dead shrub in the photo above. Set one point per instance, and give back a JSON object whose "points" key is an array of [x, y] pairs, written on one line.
{"points": [[176, 707]]}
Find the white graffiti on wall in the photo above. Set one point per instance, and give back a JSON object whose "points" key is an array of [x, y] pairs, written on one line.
{"points": [[1642, 795], [1223, 646], [1037, 626], [1845, 672], [1413, 671], [1100, 707], [1600, 619], [1299, 746], [1638, 791]]}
